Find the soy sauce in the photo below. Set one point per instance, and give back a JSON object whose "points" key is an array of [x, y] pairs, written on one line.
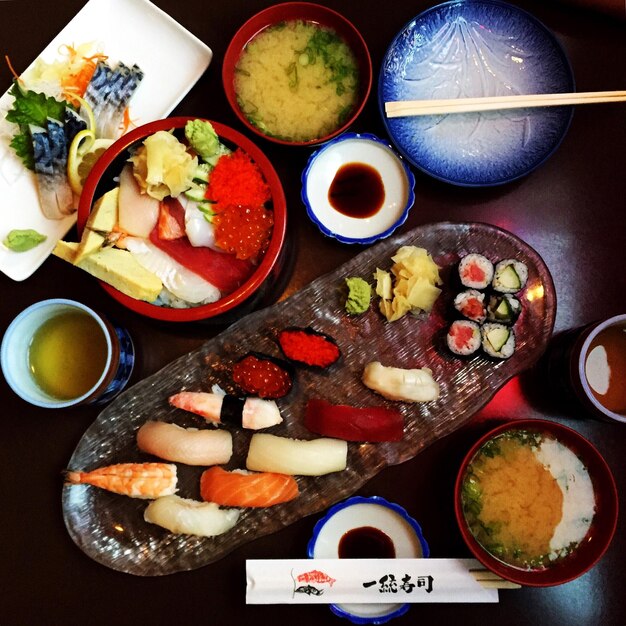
{"points": [[366, 542], [357, 190]]}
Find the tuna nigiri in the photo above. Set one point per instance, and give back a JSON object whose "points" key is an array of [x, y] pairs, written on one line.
{"points": [[185, 445], [251, 413], [246, 489], [137, 480], [190, 517], [377, 423]]}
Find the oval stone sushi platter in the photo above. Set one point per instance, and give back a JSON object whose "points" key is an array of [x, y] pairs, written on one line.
{"points": [[110, 528]]}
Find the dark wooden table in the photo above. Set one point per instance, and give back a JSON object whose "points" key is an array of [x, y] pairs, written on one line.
{"points": [[572, 210]]}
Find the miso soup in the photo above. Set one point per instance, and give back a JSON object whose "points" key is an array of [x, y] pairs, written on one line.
{"points": [[297, 81], [527, 499]]}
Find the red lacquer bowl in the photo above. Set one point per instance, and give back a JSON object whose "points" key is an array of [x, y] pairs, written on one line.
{"points": [[597, 540], [307, 12], [110, 164]]}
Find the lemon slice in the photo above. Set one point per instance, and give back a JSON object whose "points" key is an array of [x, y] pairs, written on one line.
{"points": [[84, 151]]}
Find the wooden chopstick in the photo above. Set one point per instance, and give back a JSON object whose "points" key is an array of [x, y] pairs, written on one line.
{"points": [[490, 580], [404, 108]]}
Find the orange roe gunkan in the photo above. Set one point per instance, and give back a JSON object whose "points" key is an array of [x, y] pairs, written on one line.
{"points": [[308, 347], [262, 375]]}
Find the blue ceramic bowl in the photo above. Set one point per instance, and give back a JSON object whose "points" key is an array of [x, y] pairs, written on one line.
{"points": [[476, 48], [371, 153], [391, 519]]}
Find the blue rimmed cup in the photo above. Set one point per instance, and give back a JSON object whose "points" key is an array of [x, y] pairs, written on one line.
{"points": [[118, 365], [322, 170], [386, 517]]}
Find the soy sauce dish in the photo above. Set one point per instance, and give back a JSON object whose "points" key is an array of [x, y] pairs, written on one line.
{"points": [[536, 503], [356, 189], [367, 528]]}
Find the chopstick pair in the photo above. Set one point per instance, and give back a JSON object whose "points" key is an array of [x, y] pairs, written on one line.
{"points": [[404, 108], [490, 580]]}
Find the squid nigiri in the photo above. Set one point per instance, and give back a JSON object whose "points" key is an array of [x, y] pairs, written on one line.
{"points": [[185, 445], [190, 517], [405, 385], [137, 480], [251, 413], [246, 489], [269, 453]]}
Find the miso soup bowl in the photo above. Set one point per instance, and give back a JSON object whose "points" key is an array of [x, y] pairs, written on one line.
{"points": [[307, 12], [599, 536], [267, 274]]}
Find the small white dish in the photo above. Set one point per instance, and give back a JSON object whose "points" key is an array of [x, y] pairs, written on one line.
{"points": [[133, 31], [374, 512], [361, 149]]}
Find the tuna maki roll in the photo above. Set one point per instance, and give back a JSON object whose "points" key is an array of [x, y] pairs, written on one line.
{"points": [[463, 337], [509, 276], [475, 271], [503, 308], [471, 305], [498, 340]]}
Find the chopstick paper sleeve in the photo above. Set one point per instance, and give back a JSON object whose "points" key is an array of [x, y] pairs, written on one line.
{"points": [[369, 581]]}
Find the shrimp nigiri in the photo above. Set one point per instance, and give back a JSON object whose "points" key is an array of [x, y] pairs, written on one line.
{"points": [[137, 480], [251, 413], [185, 445], [190, 517], [246, 489]]}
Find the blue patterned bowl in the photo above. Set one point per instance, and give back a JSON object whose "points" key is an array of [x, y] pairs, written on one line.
{"points": [[396, 179], [393, 520], [476, 48]]}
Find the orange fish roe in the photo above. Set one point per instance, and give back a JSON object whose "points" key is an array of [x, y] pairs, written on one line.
{"points": [[262, 376], [309, 347], [243, 230], [237, 180]]}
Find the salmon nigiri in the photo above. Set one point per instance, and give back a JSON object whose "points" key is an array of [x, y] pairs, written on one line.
{"points": [[137, 480], [246, 489]]}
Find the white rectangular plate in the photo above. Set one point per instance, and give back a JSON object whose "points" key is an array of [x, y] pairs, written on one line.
{"points": [[133, 31]]}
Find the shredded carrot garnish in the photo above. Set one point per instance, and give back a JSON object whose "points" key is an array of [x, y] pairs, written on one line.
{"points": [[15, 74], [127, 122]]}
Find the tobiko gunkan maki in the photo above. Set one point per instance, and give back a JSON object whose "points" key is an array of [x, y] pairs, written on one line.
{"points": [[308, 347]]}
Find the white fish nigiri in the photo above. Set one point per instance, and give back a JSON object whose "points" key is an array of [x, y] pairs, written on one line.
{"points": [[180, 281], [137, 212], [199, 231], [270, 453], [253, 413], [190, 517], [406, 385], [185, 445]]}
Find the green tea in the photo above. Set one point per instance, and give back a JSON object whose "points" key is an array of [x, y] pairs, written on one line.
{"points": [[68, 354]]}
